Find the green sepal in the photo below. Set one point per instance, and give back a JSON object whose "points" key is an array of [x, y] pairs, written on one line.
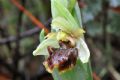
{"points": [[42, 47], [71, 5], [61, 11], [68, 4], [61, 23]]}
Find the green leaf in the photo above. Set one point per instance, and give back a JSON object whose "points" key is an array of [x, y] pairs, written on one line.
{"points": [[76, 73], [56, 75], [42, 47], [89, 71]]}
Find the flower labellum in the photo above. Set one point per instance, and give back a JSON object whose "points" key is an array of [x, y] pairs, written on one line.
{"points": [[63, 59]]}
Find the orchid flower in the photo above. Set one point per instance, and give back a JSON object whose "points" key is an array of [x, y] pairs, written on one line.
{"points": [[65, 28]]}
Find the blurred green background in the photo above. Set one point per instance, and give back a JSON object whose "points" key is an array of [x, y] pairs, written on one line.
{"points": [[19, 36]]}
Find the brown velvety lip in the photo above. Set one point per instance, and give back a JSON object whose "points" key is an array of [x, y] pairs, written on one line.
{"points": [[62, 58]]}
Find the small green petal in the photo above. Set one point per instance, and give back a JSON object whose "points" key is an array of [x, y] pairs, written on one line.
{"points": [[51, 35], [83, 50], [42, 35]]}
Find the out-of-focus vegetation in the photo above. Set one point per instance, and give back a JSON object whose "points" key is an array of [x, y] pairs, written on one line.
{"points": [[19, 37]]}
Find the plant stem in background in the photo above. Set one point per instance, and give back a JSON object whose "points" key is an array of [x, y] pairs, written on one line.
{"points": [[17, 53], [32, 18]]}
